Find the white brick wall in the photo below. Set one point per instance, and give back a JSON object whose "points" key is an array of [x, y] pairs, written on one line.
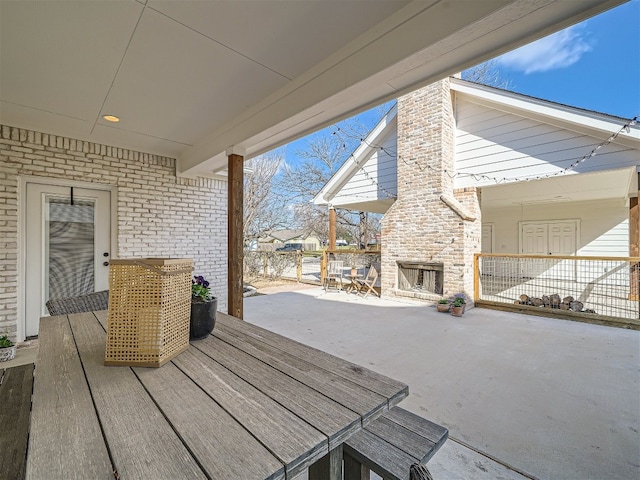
{"points": [[158, 213]]}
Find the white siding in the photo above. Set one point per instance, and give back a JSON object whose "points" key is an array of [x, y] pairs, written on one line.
{"points": [[612, 243], [377, 178], [604, 225], [492, 144]]}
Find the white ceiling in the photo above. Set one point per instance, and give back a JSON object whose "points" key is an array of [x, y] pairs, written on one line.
{"points": [[617, 185], [196, 79], [584, 187]]}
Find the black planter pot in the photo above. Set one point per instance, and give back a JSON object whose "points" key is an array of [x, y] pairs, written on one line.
{"points": [[203, 318]]}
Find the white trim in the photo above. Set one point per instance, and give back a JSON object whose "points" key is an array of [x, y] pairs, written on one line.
{"points": [[352, 165], [23, 180], [493, 237], [236, 150]]}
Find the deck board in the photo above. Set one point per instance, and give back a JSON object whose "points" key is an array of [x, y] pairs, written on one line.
{"points": [[423, 427], [328, 416], [15, 397], [65, 438], [289, 438], [193, 413], [351, 395], [385, 386], [141, 441]]}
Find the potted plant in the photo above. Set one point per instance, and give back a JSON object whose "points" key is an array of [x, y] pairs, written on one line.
{"points": [[7, 349], [443, 305], [203, 309], [457, 307], [354, 270]]}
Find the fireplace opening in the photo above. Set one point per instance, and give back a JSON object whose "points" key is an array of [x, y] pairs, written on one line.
{"points": [[421, 277]]}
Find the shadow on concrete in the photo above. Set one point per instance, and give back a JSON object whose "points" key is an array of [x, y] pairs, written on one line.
{"points": [[552, 398]]}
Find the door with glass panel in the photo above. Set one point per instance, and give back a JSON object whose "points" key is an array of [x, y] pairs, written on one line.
{"points": [[67, 244]]}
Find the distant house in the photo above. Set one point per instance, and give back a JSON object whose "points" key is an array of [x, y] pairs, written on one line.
{"points": [[279, 238], [458, 168]]}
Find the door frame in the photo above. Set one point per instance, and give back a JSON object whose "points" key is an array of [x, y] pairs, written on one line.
{"points": [[23, 180], [493, 240]]}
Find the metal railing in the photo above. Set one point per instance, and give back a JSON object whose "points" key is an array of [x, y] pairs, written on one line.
{"points": [[595, 287]]}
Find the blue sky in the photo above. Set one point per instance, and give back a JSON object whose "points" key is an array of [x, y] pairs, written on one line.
{"points": [[593, 65]]}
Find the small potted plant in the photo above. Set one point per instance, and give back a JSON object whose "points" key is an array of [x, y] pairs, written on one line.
{"points": [[203, 309], [458, 305], [7, 349], [443, 305]]}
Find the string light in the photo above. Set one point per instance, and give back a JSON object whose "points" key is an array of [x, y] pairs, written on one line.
{"points": [[478, 177], [362, 167]]}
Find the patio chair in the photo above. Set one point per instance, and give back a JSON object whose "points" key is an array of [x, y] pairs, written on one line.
{"points": [[334, 274], [81, 303], [366, 284]]}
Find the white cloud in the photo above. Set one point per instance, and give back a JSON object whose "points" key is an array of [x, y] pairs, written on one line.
{"points": [[558, 50]]}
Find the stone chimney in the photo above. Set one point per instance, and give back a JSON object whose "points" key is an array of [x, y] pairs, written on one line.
{"points": [[431, 232]]}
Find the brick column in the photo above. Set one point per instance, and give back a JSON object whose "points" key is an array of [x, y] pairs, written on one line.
{"points": [[419, 226]]}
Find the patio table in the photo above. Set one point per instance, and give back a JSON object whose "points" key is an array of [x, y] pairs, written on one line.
{"points": [[243, 403]]}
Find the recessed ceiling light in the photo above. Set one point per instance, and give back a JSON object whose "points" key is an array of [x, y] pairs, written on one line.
{"points": [[111, 118]]}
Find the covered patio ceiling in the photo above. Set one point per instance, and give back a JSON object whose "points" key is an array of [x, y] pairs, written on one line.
{"points": [[195, 80], [617, 184]]}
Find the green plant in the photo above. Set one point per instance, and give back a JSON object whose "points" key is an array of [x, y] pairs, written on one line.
{"points": [[200, 290], [443, 301], [5, 342], [459, 302]]}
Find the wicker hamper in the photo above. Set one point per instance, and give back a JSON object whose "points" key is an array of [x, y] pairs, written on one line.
{"points": [[149, 306]]}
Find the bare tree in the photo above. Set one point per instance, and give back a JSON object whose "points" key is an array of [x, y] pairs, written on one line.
{"points": [[487, 73], [264, 208], [301, 181]]}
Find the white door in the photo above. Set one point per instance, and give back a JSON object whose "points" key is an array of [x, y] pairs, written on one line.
{"points": [[562, 238], [553, 238], [67, 244], [535, 239], [548, 239]]}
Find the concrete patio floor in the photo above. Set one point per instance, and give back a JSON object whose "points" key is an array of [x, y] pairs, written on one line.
{"points": [[522, 396]]}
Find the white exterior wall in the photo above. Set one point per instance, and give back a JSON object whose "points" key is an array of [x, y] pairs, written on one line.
{"points": [[502, 145], [158, 213], [604, 225], [377, 179]]}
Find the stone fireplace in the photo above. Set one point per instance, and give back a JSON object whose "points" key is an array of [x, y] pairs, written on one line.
{"points": [[429, 235]]}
